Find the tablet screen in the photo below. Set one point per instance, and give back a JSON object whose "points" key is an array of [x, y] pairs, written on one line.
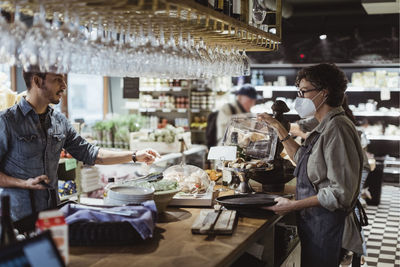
{"points": [[36, 252]]}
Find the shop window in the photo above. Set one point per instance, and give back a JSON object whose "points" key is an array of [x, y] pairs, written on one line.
{"points": [[85, 97], [5, 81]]}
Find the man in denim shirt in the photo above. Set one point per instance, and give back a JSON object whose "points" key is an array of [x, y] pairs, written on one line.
{"points": [[32, 136]]}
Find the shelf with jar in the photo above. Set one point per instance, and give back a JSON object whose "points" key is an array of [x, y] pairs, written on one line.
{"points": [[373, 91], [163, 103], [199, 124], [202, 100], [363, 77], [163, 85], [202, 103], [368, 109], [381, 130], [187, 108], [163, 95]]}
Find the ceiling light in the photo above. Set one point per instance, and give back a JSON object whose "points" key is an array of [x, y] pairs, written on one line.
{"points": [[322, 36]]}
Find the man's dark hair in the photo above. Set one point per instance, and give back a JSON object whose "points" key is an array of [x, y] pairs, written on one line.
{"points": [[326, 76], [28, 75]]}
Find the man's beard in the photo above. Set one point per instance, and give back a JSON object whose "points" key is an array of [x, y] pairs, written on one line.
{"points": [[49, 95]]}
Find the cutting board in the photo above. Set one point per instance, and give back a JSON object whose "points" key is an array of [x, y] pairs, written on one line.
{"points": [[204, 223]]}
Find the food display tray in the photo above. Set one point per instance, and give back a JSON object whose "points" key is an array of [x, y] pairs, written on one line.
{"points": [[199, 200]]}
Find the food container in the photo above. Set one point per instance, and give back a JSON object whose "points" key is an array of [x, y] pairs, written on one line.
{"points": [[54, 221], [254, 139], [191, 179]]}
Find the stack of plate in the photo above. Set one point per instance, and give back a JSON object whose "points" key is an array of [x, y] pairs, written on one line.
{"points": [[90, 179], [123, 195]]}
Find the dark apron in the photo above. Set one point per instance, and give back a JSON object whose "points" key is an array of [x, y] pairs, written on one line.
{"points": [[320, 230]]}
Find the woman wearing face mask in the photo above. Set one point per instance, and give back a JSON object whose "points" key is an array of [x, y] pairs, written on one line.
{"points": [[328, 169]]}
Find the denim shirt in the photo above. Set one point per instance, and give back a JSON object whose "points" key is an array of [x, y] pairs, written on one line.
{"points": [[26, 152]]}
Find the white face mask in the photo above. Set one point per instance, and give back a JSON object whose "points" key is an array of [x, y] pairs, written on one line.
{"points": [[305, 106]]}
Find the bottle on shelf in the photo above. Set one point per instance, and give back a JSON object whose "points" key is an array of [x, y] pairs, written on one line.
{"points": [[228, 5], [254, 79], [176, 83], [219, 5], [260, 80], [236, 9], [7, 229]]}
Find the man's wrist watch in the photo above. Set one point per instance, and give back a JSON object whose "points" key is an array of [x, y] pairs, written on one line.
{"points": [[134, 159]]}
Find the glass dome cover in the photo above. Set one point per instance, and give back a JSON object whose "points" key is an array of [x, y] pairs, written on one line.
{"points": [[254, 139], [191, 179]]}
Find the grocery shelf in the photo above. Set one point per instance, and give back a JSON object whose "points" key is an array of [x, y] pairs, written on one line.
{"points": [[392, 162], [275, 88], [198, 110], [361, 113], [153, 110], [376, 114], [161, 89], [384, 137], [184, 16], [391, 170], [349, 89], [370, 89]]}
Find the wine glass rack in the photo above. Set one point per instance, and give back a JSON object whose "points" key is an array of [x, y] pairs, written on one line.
{"points": [[186, 16]]}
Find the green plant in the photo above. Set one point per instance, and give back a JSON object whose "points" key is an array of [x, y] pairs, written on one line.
{"points": [[98, 126], [108, 125], [135, 122]]}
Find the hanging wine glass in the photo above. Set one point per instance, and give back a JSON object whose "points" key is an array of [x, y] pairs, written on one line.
{"points": [[173, 58], [132, 53], [185, 65], [206, 61], [18, 31], [236, 63], [246, 64], [31, 48], [78, 44], [5, 45]]}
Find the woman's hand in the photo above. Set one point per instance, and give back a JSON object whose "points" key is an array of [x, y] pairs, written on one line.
{"points": [[147, 156], [268, 119], [283, 206], [296, 131]]}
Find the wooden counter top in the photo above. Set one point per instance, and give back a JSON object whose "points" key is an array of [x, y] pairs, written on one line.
{"points": [[173, 244]]}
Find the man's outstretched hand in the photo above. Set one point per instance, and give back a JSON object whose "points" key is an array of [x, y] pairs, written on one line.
{"points": [[147, 156]]}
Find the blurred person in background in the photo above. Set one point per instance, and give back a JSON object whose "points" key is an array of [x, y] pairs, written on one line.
{"points": [[246, 98]]}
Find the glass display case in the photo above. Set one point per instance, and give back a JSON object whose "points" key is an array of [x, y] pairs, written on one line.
{"points": [[254, 139]]}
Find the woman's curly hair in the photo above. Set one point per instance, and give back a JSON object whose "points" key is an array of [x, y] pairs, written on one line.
{"points": [[326, 76]]}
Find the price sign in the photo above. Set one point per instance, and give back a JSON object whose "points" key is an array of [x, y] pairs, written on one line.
{"points": [[222, 153], [70, 164]]}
